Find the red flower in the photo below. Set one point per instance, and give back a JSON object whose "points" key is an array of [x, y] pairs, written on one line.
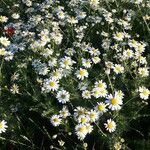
{"points": [[10, 31]]}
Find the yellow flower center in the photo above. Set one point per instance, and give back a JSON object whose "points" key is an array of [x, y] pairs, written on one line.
{"points": [[1, 126], [82, 72], [96, 92], [52, 84], [101, 107], [83, 120], [66, 62], [56, 120], [119, 35], [114, 101], [82, 129], [100, 85], [92, 115], [110, 125], [145, 92], [56, 73]]}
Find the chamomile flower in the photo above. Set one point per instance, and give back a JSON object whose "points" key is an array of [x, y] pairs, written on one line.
{"points": [[61, 14], [3, 19], [99, 92], [101, 107], [72, 20], [118, 69], [83, 119], [89, 127], [50, 85], [144, 93], [86, 94], [140, 47], [79, 111], [14, 89], [64, 112], [2, 51], [66, 62], [81, 131], [93, 115], [94, 51], [96, 60], [128, 53], [63, 96], [110, 125], [55, 120], [119, 36], [56, 74], [114, 102], [3, 126], [4, 41], [81, 74], [86, 63], [100, 84], [94, 3], [119, 94], [143, 71]]}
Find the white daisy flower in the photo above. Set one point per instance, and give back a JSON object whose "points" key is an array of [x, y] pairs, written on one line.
{"points": [[93, 115], [3, 126], [118, 68], [72, 20], [114, 102], [63, 96], [119, 94], [83, 119], [4, 41], [82, 73], [140, 47], [57, 74], [86, 94], [110, 125], [94, 51], [128, 53], [101, 107], [3, 19], [89, 127], [66, 62], [2, 52], [100, 84], [64, 112], [86, 63], [119, 36], [94, 2], [144, 93], [79, 111], [56, 120], [99, 92], [81, 131], [143, 72], [96, 60], [50, 85], [15, 16]]}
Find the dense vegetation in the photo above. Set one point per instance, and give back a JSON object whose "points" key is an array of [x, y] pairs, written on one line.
{"points": [[74, 74]]}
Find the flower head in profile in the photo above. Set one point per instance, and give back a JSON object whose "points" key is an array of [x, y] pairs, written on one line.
{"points": [[3, 126]]}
